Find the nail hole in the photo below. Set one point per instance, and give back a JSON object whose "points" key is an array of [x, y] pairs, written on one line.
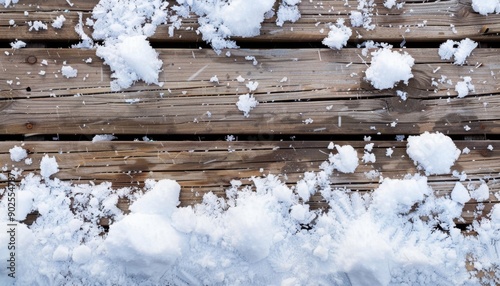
{"points": [[31, 60], [28, 88]]}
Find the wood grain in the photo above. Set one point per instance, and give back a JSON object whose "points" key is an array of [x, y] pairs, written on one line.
{"points": [[294, 85], [417, 21]]}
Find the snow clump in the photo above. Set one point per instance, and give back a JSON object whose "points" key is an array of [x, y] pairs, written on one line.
{"points": [[6, 3], [389, 68], [288, 11], [103, 137], [338, 36], [485, 7], [18, 153], [463, 87], [460, 50], [434, 152], [131, 58], [246, 102], [17, 45], [48, 166], [346, 160]]}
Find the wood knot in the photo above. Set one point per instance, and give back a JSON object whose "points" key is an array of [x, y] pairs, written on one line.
{"points": [[31, 60], [29, 125]]}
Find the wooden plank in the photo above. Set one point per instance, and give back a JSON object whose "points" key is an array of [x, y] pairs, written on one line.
{"points": [[417, 21], [201, 167], [294, 85]]}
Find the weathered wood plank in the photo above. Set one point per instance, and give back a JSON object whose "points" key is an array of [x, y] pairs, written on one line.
{"points": [[392, 25], [201, 167], [294, 85]]}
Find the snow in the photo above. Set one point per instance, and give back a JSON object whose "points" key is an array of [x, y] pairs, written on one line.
{"points": [[485, 7], [37, 26], [103, 137], [460, 50], [460, 194], [18, 153], [464, 87], [338, 36], [253, 236], [246, 103], [388, 68], [391, 3], [58, 22], [481, 194], [128, 64], [69, 72], [434, 152], [346, 160], [6, 3], [288, 12], [18, 44], [262, 232], [48, 166]]}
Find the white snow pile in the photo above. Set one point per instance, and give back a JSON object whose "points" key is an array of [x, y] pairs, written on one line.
{"points": [[363, 15], [464, 87], [246, 102], [460, 50], [131, 58], [125, 25], [48, 166], [338, 36], [103, 137], [260, 234], [288, 11], [346, 160], [388, 68], [434, 152], [485, 7], [220, 20]]}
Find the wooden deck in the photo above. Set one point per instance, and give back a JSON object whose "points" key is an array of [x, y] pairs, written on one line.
{"points": [[189, 116]]}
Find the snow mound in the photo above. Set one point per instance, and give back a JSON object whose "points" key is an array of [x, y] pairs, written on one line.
{"points": [[246, 103], [460, 50], [485, 7], [6, 3], [463, 87], [434, 152], [338, 36], [389, 68], [346, 160]]}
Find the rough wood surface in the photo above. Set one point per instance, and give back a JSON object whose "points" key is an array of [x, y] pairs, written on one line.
{"points": [[201, 167], [417, 21], [294, 85]]}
